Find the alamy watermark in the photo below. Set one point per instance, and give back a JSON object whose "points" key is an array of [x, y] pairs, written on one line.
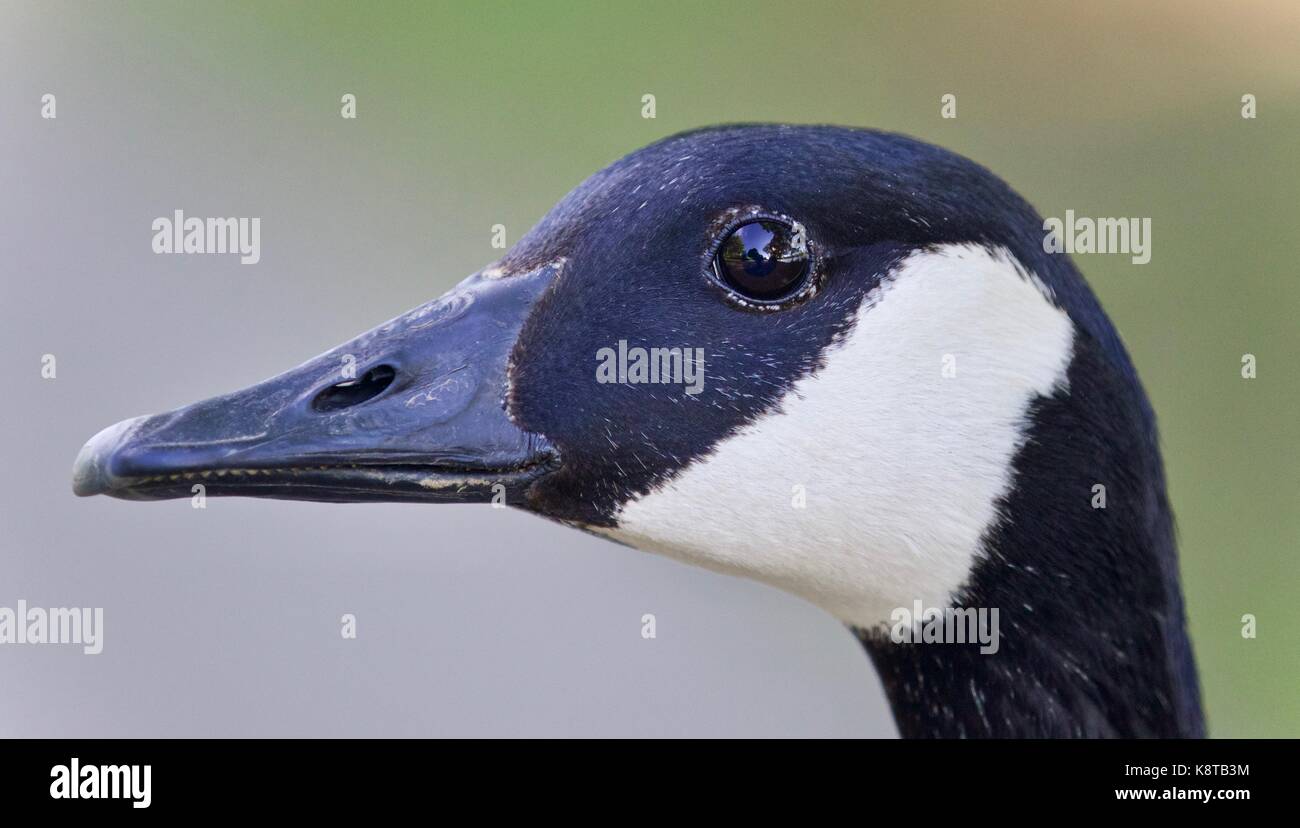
{"points": [[638, 366], [1102, 235], [178, 234], [56, 625], [77, 781], [950, 625]]}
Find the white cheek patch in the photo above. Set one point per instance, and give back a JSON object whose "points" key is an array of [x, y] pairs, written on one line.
{"points": [[903, 444]]}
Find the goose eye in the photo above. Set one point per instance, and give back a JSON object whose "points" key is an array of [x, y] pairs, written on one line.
{"points": [[763, 260]]}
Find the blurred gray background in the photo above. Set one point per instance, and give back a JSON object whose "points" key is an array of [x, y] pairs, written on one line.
{"points": [[474, 621]]}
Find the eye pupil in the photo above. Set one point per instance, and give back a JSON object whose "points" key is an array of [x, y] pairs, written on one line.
{"points": [[762, 260]]}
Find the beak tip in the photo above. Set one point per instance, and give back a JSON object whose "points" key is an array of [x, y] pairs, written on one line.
{"points": [[91, 474]]}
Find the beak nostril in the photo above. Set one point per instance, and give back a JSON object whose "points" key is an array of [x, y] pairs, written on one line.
{"points": [[356, 391]]}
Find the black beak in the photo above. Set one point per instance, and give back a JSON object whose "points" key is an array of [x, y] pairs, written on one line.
{"points": [[412, 410]]}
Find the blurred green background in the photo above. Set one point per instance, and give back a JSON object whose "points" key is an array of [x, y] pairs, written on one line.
{"points": [[474, 114]]}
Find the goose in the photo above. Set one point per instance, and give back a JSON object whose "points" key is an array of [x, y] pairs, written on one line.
{"points": [[902, 399]]}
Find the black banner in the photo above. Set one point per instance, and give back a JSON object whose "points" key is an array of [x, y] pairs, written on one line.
{"points": [[333, 777]]}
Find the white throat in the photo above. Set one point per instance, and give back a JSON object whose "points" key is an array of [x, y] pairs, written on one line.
{"points": [[872, 483]]}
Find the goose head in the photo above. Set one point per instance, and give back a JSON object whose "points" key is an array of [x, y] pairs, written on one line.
{"points": [[837, 361]]}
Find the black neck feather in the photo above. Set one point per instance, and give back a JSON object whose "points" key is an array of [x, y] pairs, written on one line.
{"points": [[1092, 637]]}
